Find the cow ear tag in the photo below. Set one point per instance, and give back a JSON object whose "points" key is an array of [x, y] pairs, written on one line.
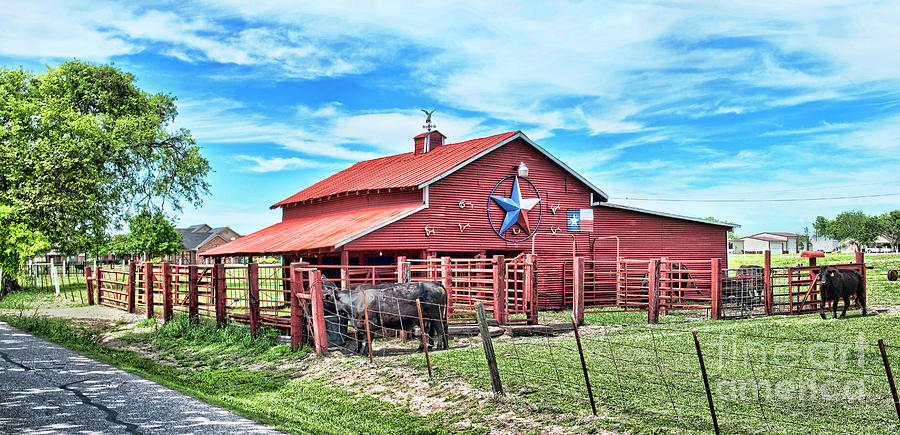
{"points": [[831, 274]]}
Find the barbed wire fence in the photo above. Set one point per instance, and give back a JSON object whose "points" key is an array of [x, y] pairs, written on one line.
{"points": [[647, 375]]}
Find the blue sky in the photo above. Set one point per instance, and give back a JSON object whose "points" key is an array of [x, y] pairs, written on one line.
{"points": [[686, 101]]}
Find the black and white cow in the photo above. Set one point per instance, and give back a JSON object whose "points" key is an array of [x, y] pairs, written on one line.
{"points": [[835, 284], [392, 306]]}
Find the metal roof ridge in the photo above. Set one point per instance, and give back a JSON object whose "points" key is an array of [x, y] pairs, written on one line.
{"points": [[669, 215]]}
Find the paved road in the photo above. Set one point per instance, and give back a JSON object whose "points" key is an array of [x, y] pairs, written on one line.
{"points": [[45, 388]]}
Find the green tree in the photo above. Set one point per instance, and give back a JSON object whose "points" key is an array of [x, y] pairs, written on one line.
{"points": [[855, 226], [152, 234], [18, 243], [821, 226], [81, 148], [890, 224]]}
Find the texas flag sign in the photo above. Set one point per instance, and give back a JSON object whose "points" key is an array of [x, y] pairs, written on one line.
{"points": [[580, 219]]}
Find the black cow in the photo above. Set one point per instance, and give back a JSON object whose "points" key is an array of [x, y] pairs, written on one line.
{"points": [[838, 284], [392, 306]]}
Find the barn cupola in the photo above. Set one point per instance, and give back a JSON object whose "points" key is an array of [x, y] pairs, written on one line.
{"points": [[428, 141]]}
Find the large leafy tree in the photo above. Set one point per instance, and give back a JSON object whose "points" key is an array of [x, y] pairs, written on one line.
{"points": [[890, 223], [853, 225], [81, 148]]}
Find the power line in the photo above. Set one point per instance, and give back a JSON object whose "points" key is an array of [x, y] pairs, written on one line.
{"points": [[826, 198]]}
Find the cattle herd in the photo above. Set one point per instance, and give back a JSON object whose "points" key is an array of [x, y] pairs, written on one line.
{"points": [[390, 306]]}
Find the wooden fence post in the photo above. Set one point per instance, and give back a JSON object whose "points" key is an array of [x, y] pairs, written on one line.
{"points": [[767, 283], [167, 291], [709, 397], [501, 314], [148, 289], [98, 283], [132, 287], [716, 290], [253, 296], [578, 290], [88, 284], [193, 293], [890, 376], [861, 260], [296, 313], [447, 281], [530, 285], [488, 348], [317, 311], [653, 291], [220, 292]]}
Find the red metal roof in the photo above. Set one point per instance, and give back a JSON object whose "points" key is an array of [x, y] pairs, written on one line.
{"points": [[401, 170], [314, 232]]}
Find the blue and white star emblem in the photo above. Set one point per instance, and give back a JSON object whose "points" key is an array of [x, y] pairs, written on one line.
{"points": [[516, 208]]}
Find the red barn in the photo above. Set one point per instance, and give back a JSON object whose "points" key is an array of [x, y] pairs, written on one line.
{"points": [[501, 194]]}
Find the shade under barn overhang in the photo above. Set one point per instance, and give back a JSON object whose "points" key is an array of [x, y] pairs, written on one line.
{"points": [[323, 231]]}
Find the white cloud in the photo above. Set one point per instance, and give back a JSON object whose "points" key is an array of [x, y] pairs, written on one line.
{"points": [[275, 164]]}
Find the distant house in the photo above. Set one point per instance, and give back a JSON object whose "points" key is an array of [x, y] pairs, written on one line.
{"points": [[735, 246], [199, 238], [777, 243]]}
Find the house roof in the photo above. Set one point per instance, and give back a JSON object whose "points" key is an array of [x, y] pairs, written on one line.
{"points": [[783, 234], [416, 170], [194, 239], [669, 215], [763, 238], [324, 231]]}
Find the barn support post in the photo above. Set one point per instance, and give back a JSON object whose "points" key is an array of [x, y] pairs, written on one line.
{"points": [[403, 274], [253, 296], [148, 288], [296, 313], [447, 282], [89, 287], [578, 291], [345, 269], [531, 288], [132, 287], [890, 376], [653, 291], [489, 355], [219, 284], [498, 264], [193, 294], [716, 293], [317, 312], [767, 283], [167, 291]]}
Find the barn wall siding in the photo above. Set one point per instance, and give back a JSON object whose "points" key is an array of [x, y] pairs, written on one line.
{"points": [[641, 235]]}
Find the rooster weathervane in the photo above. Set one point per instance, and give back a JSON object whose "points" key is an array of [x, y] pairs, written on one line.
{"points": [[428, 125]]}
